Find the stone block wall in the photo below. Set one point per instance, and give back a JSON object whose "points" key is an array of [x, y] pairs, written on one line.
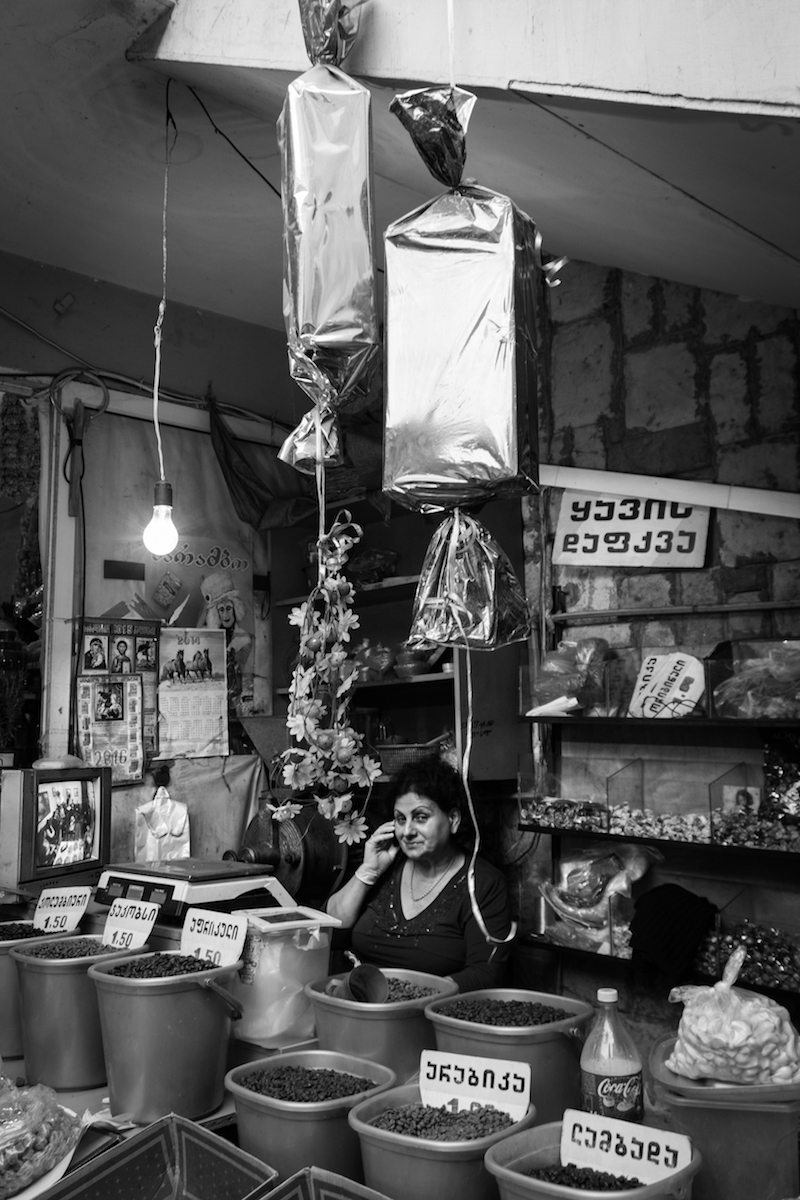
{"points": [[657, 378]]}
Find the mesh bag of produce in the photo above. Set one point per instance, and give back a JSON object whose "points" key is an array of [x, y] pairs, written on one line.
{"points": [[732, 1035], [35, 1134]]}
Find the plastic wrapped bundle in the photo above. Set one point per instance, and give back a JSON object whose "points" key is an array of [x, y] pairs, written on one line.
{"points": [[732, 1035], [329, 300], [461, 355], [467, 594], [35, 1134]]}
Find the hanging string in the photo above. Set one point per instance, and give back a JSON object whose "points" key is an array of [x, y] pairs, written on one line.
{"points": [[451, 41], [162, 307], [458, 533]]}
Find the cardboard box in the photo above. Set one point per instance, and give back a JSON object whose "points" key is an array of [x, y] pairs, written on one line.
{"points": [[312, 1183], [171, 1159]]}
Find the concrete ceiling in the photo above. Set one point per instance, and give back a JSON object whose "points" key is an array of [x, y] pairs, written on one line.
{"points": [[703, 198]]}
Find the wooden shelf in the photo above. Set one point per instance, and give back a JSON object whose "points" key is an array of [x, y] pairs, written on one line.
{"points": [[666, 724], [398, 587], [394, 681]]}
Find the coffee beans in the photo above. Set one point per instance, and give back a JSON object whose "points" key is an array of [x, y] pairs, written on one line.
{"points": [[585, 1178], [305, 1085], [503, 1012], [13, 931], [68, 948], [442, 1124], [159, 966]]}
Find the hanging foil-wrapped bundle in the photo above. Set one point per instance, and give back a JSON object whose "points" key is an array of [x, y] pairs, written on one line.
{"points": [[329, 301], [468, 594], [461, 399]]}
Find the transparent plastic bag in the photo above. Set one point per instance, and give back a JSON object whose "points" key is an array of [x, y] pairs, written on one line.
{"points": [[35, 1134], [732, 1035]]}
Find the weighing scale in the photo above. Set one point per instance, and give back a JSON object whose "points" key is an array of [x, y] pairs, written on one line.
{"points": [[179, 884]]}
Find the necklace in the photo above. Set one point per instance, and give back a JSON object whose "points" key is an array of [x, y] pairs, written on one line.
{"points": [[436, 881]]}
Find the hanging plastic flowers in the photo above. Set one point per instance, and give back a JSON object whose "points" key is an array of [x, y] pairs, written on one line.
{"points": [[329, 762]]}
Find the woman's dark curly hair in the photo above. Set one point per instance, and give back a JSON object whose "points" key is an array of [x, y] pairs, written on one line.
{"points": [[441, 783]]}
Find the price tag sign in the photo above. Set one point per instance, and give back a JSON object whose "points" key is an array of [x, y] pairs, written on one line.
{"points": [[129, 923], [622, 1147], [462, 1081], [59, 910], [216, 937]]}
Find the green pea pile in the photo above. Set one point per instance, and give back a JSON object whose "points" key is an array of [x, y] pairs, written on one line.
{"points": [[489, 1011], [402, 989], [442, 1124], [15, 931], [68, 948], [159, 966], [305, 1085], [584, 1178]]}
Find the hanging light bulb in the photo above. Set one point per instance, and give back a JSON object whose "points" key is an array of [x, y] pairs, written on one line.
{"points": [[161, 536]]}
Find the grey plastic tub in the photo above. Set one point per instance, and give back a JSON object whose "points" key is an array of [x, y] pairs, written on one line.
{"points": [[61, 1036], [394, 1034], [165, 1040], [510, 1160], [290, 1135], [552, 1050], [10, 1019], [412, 1168]]}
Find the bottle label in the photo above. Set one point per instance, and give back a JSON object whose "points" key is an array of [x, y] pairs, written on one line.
{"points": [[617, 1096]]}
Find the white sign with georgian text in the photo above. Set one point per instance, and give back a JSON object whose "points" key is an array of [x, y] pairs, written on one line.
{"points": [[623, 531]]}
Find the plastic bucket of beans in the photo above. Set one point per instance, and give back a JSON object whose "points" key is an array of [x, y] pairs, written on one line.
{"points": [[393, 1032], [61, 1037], [543, 1030], [527, 1166], [165, 1020], [410, 1150], [291, 1108], [11, 934]]}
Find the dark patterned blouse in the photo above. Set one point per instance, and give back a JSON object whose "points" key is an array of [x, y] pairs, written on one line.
{"points": [[445, 938]]}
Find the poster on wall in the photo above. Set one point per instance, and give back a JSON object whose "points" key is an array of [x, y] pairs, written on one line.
{"points": [[623, 531], [110, 724], [206, 582], [194, 665], [123, 648]]}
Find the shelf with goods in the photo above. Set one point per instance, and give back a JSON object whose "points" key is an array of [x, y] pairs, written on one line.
{"points": [[699, 790], [417, 709]]}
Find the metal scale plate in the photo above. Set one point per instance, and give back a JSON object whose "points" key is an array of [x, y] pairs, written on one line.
{"points": [[192, 882]]}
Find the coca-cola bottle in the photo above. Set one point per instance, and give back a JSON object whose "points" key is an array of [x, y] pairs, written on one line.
{"points": [[611, 1066]]}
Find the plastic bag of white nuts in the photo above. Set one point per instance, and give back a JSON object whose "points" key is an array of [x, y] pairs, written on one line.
{"points": [[732, 1035]]}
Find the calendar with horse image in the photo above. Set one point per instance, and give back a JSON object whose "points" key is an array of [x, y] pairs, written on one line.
{"points": [[192, 693]]}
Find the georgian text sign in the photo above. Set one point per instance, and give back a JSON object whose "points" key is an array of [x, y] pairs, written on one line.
{"points": [[623, 531]]}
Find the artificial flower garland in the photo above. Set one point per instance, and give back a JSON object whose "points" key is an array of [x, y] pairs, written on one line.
{"points": [[328, 762]]}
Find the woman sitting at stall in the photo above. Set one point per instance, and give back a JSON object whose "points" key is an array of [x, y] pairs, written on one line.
{"points": [[409, 905]]}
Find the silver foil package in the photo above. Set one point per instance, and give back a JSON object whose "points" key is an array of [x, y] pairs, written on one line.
{"points": [[461, 373], [329, 298], [468, 594]]}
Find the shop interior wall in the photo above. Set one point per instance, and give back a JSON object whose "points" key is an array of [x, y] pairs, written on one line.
{"points": [[654, 377]]}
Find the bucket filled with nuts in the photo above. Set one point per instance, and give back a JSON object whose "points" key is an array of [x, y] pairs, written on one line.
{"points": [[393, 1031], [59, 1016], [410, 1149], [165, 1021], [527, 1166], [532, 1027], [291, 1108], [12, 932]]}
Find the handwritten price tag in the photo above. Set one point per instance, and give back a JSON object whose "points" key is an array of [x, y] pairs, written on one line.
{"points": [[622, 1147], [216, 937], [59, 910], [129, 923], [462, 1081]]}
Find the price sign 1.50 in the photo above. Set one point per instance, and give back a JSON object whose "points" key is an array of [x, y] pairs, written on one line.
{"points": [[129, 923], [622, 1147], [59, 910]]}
